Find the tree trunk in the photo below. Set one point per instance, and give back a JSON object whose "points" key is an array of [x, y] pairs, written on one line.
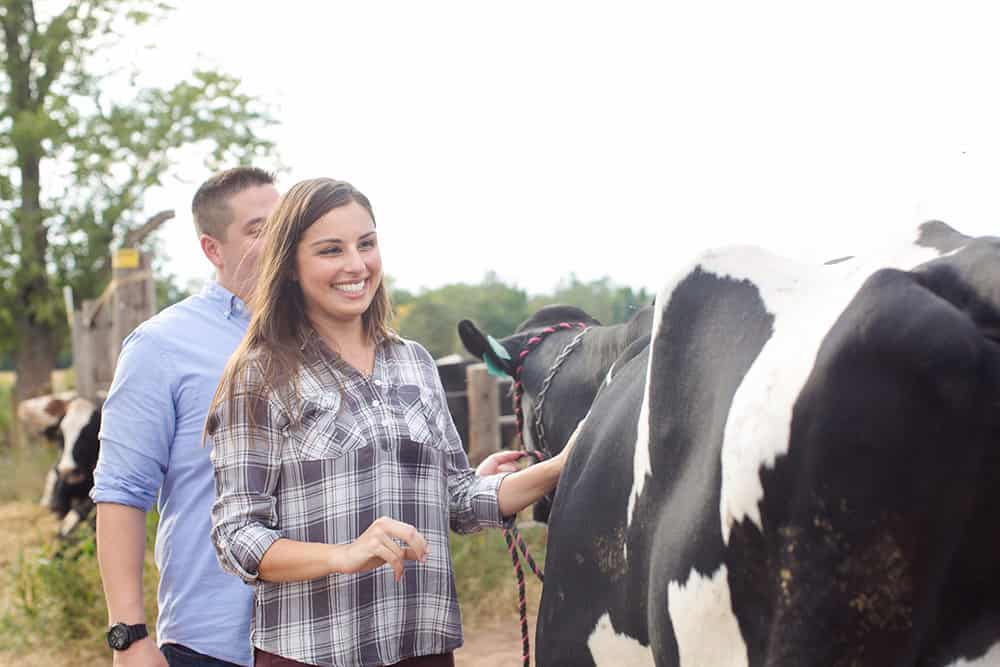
{"points": [[34, 359], [36, 338]]}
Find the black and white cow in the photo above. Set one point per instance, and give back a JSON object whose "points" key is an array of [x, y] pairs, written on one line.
{"points": [[802, 467], [72, 423]]}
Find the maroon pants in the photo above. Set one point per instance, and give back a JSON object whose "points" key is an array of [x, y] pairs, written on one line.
{"points": [[265, 659]]}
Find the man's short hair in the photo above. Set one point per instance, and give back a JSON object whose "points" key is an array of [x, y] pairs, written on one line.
{"points": [[210, 205]]}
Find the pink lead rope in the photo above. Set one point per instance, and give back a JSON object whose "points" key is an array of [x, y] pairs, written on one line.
{"points": [[512, 535]]}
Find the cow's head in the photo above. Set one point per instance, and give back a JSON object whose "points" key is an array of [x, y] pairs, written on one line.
{"points": [[72, 424], [40, 416], [553, 339]]}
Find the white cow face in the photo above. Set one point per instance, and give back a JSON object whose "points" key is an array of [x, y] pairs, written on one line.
{"points": [[41, 415]]}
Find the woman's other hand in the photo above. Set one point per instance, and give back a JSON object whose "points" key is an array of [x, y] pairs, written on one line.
{"points": [[377, 546]]}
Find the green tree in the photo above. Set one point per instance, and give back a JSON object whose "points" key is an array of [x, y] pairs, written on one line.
{"points": [[432, 317], [601, 299], [75, 164]]}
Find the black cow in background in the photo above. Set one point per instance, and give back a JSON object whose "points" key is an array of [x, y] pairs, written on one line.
{"points": [[801, 466], [71, 423]]}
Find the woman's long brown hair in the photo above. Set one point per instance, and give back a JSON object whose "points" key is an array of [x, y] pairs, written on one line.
{"points": [[274, 339]]}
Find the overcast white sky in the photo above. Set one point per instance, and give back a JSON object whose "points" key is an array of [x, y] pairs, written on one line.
{"points": [[613, 138]]}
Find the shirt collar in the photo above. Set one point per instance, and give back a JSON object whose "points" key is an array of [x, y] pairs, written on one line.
{"points": [[232, 305]]}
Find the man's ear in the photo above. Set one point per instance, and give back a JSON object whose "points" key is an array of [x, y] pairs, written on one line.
{"points": [[212, 249]]}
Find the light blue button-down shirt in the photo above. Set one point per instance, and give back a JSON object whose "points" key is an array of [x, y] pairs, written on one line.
{"points": [[151, 433]]}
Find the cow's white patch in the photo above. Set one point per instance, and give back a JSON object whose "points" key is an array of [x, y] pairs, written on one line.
{"points": [[706, 629], [78, 414], [69, 523], [990, 659], [50, 488], [641, 466], [805, 302], [610, 648]]}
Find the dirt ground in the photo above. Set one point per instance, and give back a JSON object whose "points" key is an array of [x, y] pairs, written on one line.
{"points": [[497, 645], [489, 642]]}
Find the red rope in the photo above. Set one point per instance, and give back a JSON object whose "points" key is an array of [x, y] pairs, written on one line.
{"points": [[512, 535]]}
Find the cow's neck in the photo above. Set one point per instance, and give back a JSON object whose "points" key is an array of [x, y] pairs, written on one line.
{"points": [[577, 382]]}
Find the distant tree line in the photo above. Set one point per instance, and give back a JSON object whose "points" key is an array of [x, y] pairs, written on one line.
{"points": [[431, 316]]}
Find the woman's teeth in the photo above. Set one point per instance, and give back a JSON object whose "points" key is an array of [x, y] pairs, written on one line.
{"points": [[351, 288]]}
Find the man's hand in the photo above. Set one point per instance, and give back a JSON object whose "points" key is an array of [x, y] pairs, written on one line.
{"points": [[505, 461], [142, 653]]}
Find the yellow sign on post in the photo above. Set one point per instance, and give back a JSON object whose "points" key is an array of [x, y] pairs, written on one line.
{"points": [[125, 258]]}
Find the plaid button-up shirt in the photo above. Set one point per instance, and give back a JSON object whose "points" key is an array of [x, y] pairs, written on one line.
{"points": [[364, 447]]}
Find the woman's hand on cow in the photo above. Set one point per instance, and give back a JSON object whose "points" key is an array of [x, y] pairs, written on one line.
{"points": [[498, 462], [377, 546], [563, 455]]}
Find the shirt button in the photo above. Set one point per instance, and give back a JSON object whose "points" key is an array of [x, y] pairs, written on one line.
{"points": [[377, 383], [376, 404]]}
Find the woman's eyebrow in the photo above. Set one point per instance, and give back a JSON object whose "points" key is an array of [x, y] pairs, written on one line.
{"points": [[328, 240], [336, 240]]}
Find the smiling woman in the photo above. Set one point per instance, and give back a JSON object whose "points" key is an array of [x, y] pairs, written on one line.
{"points": [[339, 269], [335, 455]]}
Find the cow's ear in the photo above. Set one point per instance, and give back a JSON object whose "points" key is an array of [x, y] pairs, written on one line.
{"points": [[493, 354]]}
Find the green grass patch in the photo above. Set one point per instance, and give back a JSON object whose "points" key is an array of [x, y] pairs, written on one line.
{"points": [[23, 470], [484, 574], [55, 586]]}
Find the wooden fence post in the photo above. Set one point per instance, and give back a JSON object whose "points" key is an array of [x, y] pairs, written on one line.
{"points": [[133, 296], [484, 413], [91, 352], [102, 324]]}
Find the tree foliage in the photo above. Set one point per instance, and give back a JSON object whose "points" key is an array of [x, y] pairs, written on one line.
{"points": [[77, 160], [431, 317]]}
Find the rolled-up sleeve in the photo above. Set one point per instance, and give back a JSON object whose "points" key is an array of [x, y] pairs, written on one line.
{"points": [[474, 504], [246, 458], [138, 421]]}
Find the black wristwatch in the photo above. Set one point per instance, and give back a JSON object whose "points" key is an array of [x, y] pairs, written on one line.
{"points": [[121, 636]]}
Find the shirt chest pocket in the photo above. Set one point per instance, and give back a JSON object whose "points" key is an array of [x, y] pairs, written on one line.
{"points": [[414, 407], [327, 429]]}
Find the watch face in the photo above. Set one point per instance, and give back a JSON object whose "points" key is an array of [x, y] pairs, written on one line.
{"points": [[118, 637]]}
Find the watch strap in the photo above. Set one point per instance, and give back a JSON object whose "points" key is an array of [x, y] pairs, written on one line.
{"points": [[137, 632]]}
